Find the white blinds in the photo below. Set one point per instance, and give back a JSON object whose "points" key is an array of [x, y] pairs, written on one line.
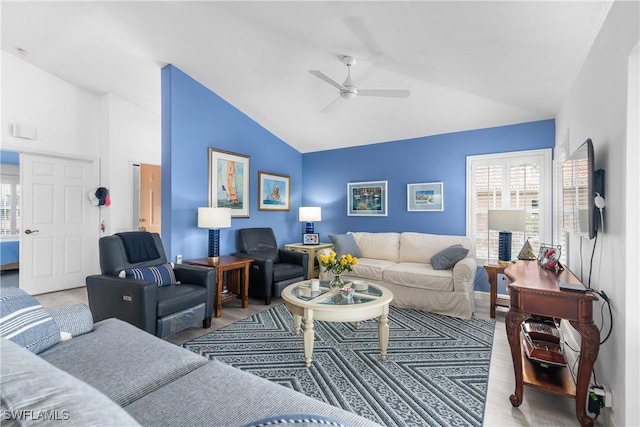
{"points": [[508, 181]]}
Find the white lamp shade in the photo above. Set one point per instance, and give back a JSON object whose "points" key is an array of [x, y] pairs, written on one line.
{"points": [[214, 218], [310, 214], [507, 220]]}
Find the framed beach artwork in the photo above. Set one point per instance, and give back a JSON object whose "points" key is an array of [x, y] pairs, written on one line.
{"points": [[425, 197], [229, 182], [273, 192], [367, 198]]}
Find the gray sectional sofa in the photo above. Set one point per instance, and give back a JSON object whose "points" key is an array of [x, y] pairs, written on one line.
{"points": [[119, 375]]}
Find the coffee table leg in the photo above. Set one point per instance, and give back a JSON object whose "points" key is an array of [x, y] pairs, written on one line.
{"points": [[308, 338], [383, 335], [296, 323]]}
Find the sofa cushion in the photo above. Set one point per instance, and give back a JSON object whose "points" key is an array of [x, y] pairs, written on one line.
{"points": [[122, 361], [235, 398], [448, 257], [384, 246], [35, 387], [420, 247], [74, 319], [370, 269], [25, 322], [345, 244], [419, 275], [161, 274]]}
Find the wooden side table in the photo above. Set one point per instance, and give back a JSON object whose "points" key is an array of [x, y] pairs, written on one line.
{"points": [[494, 300], [312, 250], [238, 275]]}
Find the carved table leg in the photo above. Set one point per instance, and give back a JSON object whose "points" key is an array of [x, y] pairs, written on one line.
{"points": [[590, 337], [513, 321]]}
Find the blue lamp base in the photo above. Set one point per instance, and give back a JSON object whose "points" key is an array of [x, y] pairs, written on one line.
{"points": [[504, 246], [308, 227], [214, 244]]}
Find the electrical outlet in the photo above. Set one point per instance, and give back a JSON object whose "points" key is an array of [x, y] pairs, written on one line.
{"points": [[602, 394], [178, 259]]}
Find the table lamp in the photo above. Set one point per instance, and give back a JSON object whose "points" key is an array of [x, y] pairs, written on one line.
{"points": [[214, 219], [308, 215], [506, 221]]}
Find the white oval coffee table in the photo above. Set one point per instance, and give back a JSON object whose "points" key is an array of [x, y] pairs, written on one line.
{"points": [[329, 306]]}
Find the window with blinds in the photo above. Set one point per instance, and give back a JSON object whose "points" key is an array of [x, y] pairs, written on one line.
{"points": [[9, 206], [560, 154], [519, 180]]}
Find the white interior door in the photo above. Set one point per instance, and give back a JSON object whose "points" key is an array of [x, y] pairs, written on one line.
{"points": [[59, 224]]}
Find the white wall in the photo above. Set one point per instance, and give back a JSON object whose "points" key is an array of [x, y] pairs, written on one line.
{"points": [[66, 117], [73, 122], [596, 108], [131, 135]]}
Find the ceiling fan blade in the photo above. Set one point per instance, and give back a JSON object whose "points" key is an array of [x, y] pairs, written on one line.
{"points": [[323, 76], [329, 105], [393, 93]]}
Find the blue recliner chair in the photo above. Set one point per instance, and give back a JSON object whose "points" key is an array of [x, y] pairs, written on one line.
{"points": [[139, 286], [272, 269]]}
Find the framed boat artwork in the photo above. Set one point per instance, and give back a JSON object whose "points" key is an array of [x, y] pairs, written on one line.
{"points": [[273, 192], [229, 182]]}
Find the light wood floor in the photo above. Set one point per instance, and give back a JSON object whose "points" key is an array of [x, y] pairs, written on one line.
{"points": [[538, 409]]}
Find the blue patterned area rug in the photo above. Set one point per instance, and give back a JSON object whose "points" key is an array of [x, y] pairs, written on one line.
{"points": [[435, 374]]}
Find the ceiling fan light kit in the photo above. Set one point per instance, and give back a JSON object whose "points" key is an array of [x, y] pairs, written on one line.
{"points": [[348, 89]]}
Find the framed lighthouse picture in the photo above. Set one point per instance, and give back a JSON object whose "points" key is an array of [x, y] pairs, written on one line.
{"points": [[229, 182]]}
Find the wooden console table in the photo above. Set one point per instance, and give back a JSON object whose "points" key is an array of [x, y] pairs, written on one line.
{"points": [[534, 290], [238, 268]]}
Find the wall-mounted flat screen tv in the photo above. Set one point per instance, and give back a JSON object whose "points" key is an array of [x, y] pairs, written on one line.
{"points": [[578, 192]]}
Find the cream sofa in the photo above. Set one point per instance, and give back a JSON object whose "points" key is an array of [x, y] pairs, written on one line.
{"points": [[401, 262]]}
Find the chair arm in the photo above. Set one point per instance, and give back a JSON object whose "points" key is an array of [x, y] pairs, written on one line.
{"points": [[292, 257], [260, 271], [464, 274], [201, 276], [134, 301], [195, 274]]}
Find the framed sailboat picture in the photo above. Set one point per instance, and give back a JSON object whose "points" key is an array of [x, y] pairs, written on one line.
{"points": [[273, 192], [229, 182]]}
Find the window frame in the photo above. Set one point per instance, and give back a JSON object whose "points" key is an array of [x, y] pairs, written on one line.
{"points": [[10, 176], [544, 158]]}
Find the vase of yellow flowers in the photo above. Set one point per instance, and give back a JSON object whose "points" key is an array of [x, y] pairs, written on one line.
{"points": [[337, 266]]}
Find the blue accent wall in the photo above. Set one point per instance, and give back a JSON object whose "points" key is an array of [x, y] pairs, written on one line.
{"points": [[440, 158], [9, 157], [194, 119]]}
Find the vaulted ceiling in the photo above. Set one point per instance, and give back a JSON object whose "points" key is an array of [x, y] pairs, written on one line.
{"points": [[467, 65]]}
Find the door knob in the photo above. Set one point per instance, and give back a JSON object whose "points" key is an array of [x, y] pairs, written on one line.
{"points": [[28, 231]]}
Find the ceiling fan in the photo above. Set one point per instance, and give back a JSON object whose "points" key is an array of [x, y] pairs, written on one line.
{"points": [[348, 89]]}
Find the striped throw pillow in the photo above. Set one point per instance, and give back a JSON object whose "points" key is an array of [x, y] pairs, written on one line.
{"points": [[74, 319], [25, 322], [161, 274]]}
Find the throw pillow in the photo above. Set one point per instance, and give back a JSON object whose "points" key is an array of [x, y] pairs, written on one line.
{"points": [[161, 274], [300, 420], [447, 258], [345, 244], [74, 320], [25, 322]]}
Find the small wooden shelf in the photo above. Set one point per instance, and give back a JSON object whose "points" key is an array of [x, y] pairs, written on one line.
{"points": [[557, 380]]}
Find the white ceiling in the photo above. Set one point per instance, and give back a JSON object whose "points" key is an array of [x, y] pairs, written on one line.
{"points": [[468, 65]]}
